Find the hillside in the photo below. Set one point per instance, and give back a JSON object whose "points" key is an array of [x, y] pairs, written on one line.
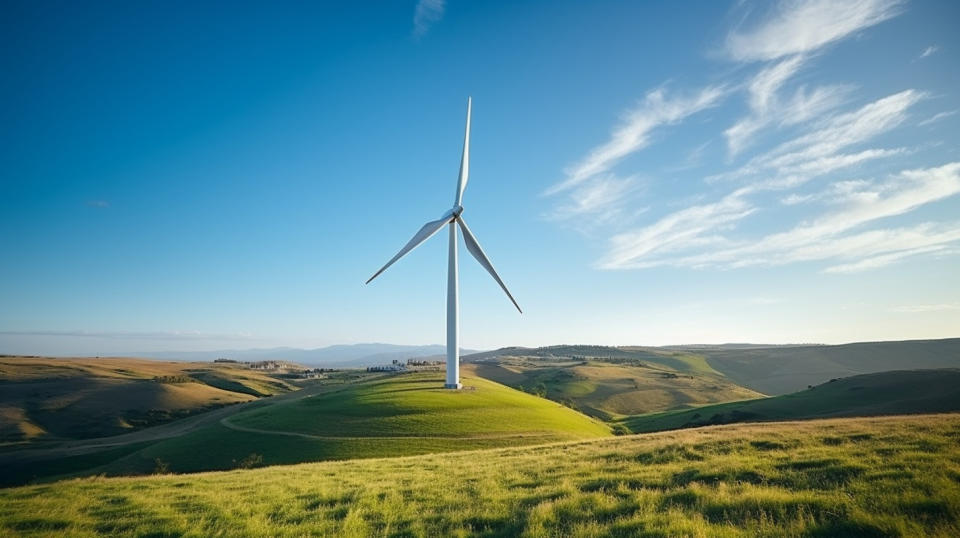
{"points": [[46, 399], [895, 476], [390, 416], [783, 369], [373, 417], [885, 393], [609, 382]]}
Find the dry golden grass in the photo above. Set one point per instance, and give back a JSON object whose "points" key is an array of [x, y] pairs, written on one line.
{"points": [[66, 398]]}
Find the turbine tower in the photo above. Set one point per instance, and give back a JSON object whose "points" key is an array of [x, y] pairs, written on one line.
{"points": [[454, 219]]}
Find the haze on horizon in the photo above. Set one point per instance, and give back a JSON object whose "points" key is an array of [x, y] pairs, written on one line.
{"points": [[210, 179]]}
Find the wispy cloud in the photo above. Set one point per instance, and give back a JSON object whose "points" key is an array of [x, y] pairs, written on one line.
{"points": [[768, 108], [847, 224], [656, 109], [678, 240], [819, 151], [802, 26], [937, 117], [928, 51], [98, 203], [426, 14], [597, 201]]}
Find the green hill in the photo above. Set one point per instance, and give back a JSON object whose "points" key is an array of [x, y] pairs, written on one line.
{"points": [[893, 476], [384, 416], [885, 393], [608, 382]]}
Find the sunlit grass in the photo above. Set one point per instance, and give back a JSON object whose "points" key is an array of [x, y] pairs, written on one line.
{"points": [[895, 476]]}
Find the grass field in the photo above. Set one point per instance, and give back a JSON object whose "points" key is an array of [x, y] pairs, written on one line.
{"points": [[892, 476], [885, 393], [46, 399]]}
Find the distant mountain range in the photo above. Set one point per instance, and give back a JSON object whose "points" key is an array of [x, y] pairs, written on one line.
{"points": [[769, 369], [338, 356]]}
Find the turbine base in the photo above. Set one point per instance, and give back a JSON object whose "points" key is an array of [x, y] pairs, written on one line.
{"points": [[454, 386]]}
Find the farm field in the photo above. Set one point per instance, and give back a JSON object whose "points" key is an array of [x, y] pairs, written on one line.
{"points": [[890, 476]]}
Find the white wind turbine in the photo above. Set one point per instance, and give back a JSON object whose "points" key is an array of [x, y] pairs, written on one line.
{"points": [[453, 218]]}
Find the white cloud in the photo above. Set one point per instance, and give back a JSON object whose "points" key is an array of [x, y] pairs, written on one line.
{"points": [[600, 199], [426, 14], [655, 110], [688, 238], [928, 51], [875, 262], [817, 152], [837, 192], [692, 227], [800, 26], [851, 227], [937, 117]]}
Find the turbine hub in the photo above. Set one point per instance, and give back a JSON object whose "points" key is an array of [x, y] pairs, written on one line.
{"points": [[457, 209]]}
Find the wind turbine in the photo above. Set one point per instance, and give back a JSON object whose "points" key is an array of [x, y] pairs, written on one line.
{"points": [[453, 218]]}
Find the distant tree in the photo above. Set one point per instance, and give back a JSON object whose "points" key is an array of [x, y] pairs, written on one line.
{"points": [[620, 429], [160, 467], [249, 462]]}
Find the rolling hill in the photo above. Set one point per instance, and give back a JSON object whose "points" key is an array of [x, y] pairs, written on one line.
{"points": [[892, 476], [783, 369], [764, 369], [885, 393], [45, 399], [376, 416], [609, 382]]}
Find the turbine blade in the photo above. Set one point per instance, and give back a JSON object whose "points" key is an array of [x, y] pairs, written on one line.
{"points": [[474, 247], [425, 233], [464, 160]]}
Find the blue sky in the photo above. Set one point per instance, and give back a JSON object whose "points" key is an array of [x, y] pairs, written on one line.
{"points": [[207, 176]]}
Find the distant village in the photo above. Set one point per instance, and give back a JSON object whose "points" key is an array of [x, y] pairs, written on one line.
{"points": [[287, 369], [410, 364]]}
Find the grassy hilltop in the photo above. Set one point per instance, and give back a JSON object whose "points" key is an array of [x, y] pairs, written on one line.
{"points": [[390, 416], [893, 476]]}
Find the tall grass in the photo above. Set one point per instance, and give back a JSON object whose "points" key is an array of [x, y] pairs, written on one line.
{"points": [[893, 476]]}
